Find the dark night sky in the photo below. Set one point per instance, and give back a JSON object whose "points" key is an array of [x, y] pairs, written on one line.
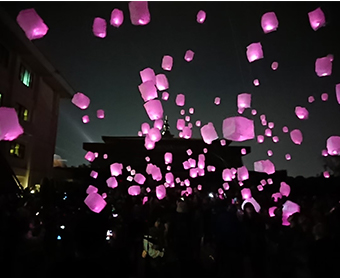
{"points": [[107, 70]]}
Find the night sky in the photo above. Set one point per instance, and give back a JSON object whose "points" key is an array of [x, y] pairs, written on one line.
{"points": [[107, 70]]}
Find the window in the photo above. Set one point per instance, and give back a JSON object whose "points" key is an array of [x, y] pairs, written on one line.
{"points": [[17, 150], [4, 56], [22, 112], [26, 76]]}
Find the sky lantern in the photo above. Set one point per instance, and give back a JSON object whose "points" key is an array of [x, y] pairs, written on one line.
{"points": [[201, 15], [95, 202], [187, 182], [105, 156], [100, 114], [112, 182], [271, 125], [268, 132], [274, 65], [154, 134], [311, 99], [288, 209], [187, 132], [285, 129], [301, 113], [242, 173], [158, 124], [104, 195], [317, 19], [243, 151], [326, 174], [148, 143], [324, 153], [168, 168], [162, 82], [191, 110], [217, 100], [337, 92], [270, 153], [323, 66], [288, 157], [260, 139], [220, 191], [189, 55], [156, 173], [324, 97], [94, 174], [276, 196], [253, 112], [275, 139], [227, 175], [165, 96], [264, 122], [263, 182], [269, 22], [296, 136], [154, 109], [284, 189], [189, 152], [193, 172], [145, 127], [260, 187], [201, 161], [180, 100], [238, 129], [180, 124], [134, 190], [333, 145], [255, 204], [246, 193], [139, 178], [168, 158], [139, 12], [192, 162], [208, 133], [160, 191], [264, 166], [223, 142], [271, 211], [80, 100], [256, 82], [226, 186], [169, 178], [117, 18], [254, 52], [99, 27], [91, 189], [182, 112], [187, 118], [148, 90], [145, 199], [32, 24], [244, 100], [211, 168], [10, 127], [167, 62], [199, 187], [116, 169], [85, 119], [89, 156], [148, 74]]}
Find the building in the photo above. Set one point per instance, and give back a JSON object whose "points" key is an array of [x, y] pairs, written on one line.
{"points": [[30, 84]]}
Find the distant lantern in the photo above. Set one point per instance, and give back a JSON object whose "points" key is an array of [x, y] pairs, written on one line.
{"points": [[80, 100], [269, 152], [256, 82], [165, 96], [94, 174], [162, 82], [337, 92], [91, 189], [198, 123], [284, 189], [246, 193], [169, 178], [148, 190], [199, 187], [96, 154], [139, 12], [333, 145], [275, 65], [288, 157], [263, 182], [187, 118], [154, 134], [253, 112], [260, 139], [201, 15], [99, 27], [168, 158], [288, 209], [326, 174], [32, 24], [95, 202], [139, 178], [117, 18], [167, 62], [193, 172], [275, 139], [158, 124], [311, 99], [145, 199], [112, 182], [226, 186], [148, 143], [223, 142], [285, 129], [154, 109], [100, 114], [148, 90], [116, 169], [191, 110], [276, 196], [301, 113], [189, 55], [217, 100], [148, 74], [324, 153], [160, 192], [324, 97], [180, 100], [211, 168], [271, 125], [168, 168], [90, 156], [187, 132], [180, 124], [201, 161], [242, 173], [105, 156], [323, 66], [269, 181], [260, 187], [296, 136], [220, 191], [268, 132], [244, 100], [264, 166], [134, 190], [192, 162], [182, 112], [255, 204], [254, 52], [85, 119], [208, 133], [147, 159], [227, 175], [269, 22], [264, 122], [187, 182], [243, 151], [145, 127], [262, 117], [317, 19], [271, 211], [205, 150], [10, 127], [104, 195], [238, 129]]}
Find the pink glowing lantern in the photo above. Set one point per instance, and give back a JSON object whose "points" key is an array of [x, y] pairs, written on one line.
{"points": [[100, 114], [284, 189], [80, 100], [112, 182], [227, 175], [99, 27], [211, 168], [189, 190], [140, 134], [296, 136], [269, 181], [244, 100], [89, 156], [246, 193], [158, 124], [116, 169], [288, 157], [193, 172], [270, 153], [148, 143], [187, 132], [262, 117], [238, 129], [96, 154], [147, 159], [271, 125], [189, 55], [182, 112], [264, 122], [85, 119], [154, 134], [10, 128], [129, 178], [233, 170], [95, 202], [91, 189], [156, 173], [256, 82], [169, 178], [187, 182], [301, 113], [254, 52], [337, 92], [223, 142], [191, 110], [268, 132], [220, 191], [160, 191], [275, 139], [117, 18], [276, 196], [186, 165], [217, 100], [105, 156], [285, 129], [148, 90], [104, 195], [263, 182], [139, 12], [260, 187], [192, 162], [32, 24], [168, 158], [148, 74], [189, 152], [187, 118], [205, 150], [165, 96], [180, 124], [139, 178], [317, 19], [199, 187], [311, 99], [201, 15], [323, 66], [242, 173], [145, 127], [226, 186], [162, 82], [275, 65], [198, 123], [253, 112], [260, 138], [271, 211], [167, 62], [154, 109], [148, 190], [94, 174], [168, 168], [201, 161], [326, 174], [269, 22], [264, 166], [243, 151], [145, 199], [288, 209], [324, 153], [180, 100], [134, 190], [255, 204], [324, 97], [333, 145], [208, 133]]}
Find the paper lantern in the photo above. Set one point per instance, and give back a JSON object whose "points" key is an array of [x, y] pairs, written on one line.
{"points": [[154, 109], [311, 99], [133, 172], [193, 172], [262, 117], [242, 173], [269, 181], [104, 195], [139, 178], [324, 97], [112, 182], [167, 62], [201, 161], [128, 168], [264, 122], [100, 114], [223, 142], [260, 138], [254, 52], [256, 82], [288, 157], [269, 152], [160, 191], [105, 156], [285, 129], [154, 134], [269, 22], [333, 145], [263, 182], [139, 12], [95, 154], [317, 19], [89, 156], [255, 204], [148, 143], [238, 129], [246, 193], [301, 113], [199, 187], [337, 92], [148, 190], [148, 90], [192, 162], [201, 172], [145, 199], [201, 15], [276, 196], [191, 110], [187, 118], [10, 128], [244, 100], [284, 189], [117, 18], [296, 136], [187, 182], [198, 123], [32, 24], [148, 74], [189, 152], [85, 119], [168, 158], [169, 178], [208, 133], [99, 27], [211, 168], [165, 96], [187, 132], [91, 189], [233, 170], [145, 127], [129, 178], [264, 166], [268, 132], [326, 174], [253, 112], [156, 173], [323, 66], [271, 211], [147, 159], [205, 150], [80, 100], [217, 100], [180, 124], [116, 169], [227, 175], [324, 153], [134, 190], [243, 151], [94, 174], [260, 187], [95, 202], [240, 110], [189, 55], [275, 65], [288, 209], [180, 100], [168, 168], [271, 125], [162, 82], [275, 139]]}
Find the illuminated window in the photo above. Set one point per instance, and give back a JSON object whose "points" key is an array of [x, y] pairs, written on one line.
{"points": [[17, 150], [23, 113], [26, 76]]}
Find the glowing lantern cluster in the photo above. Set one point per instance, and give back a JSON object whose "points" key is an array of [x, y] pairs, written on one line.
{"points": [[296, 136], [323, 66], [117, 18], [254, 52], [154, 171], [116, 169], [95, 202], [201, 15], [80, 100], [162, 82], [209, 133], [10, 128], [32, 24], [333, 145], [139, 12], [189, 55], [154, 109], [167, 62], [264, 166], [269, 22], [316, 19], [112, 182], [238, 129]]}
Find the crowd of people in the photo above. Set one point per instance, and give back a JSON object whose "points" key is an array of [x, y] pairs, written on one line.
{"points": [[180, 236]]}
